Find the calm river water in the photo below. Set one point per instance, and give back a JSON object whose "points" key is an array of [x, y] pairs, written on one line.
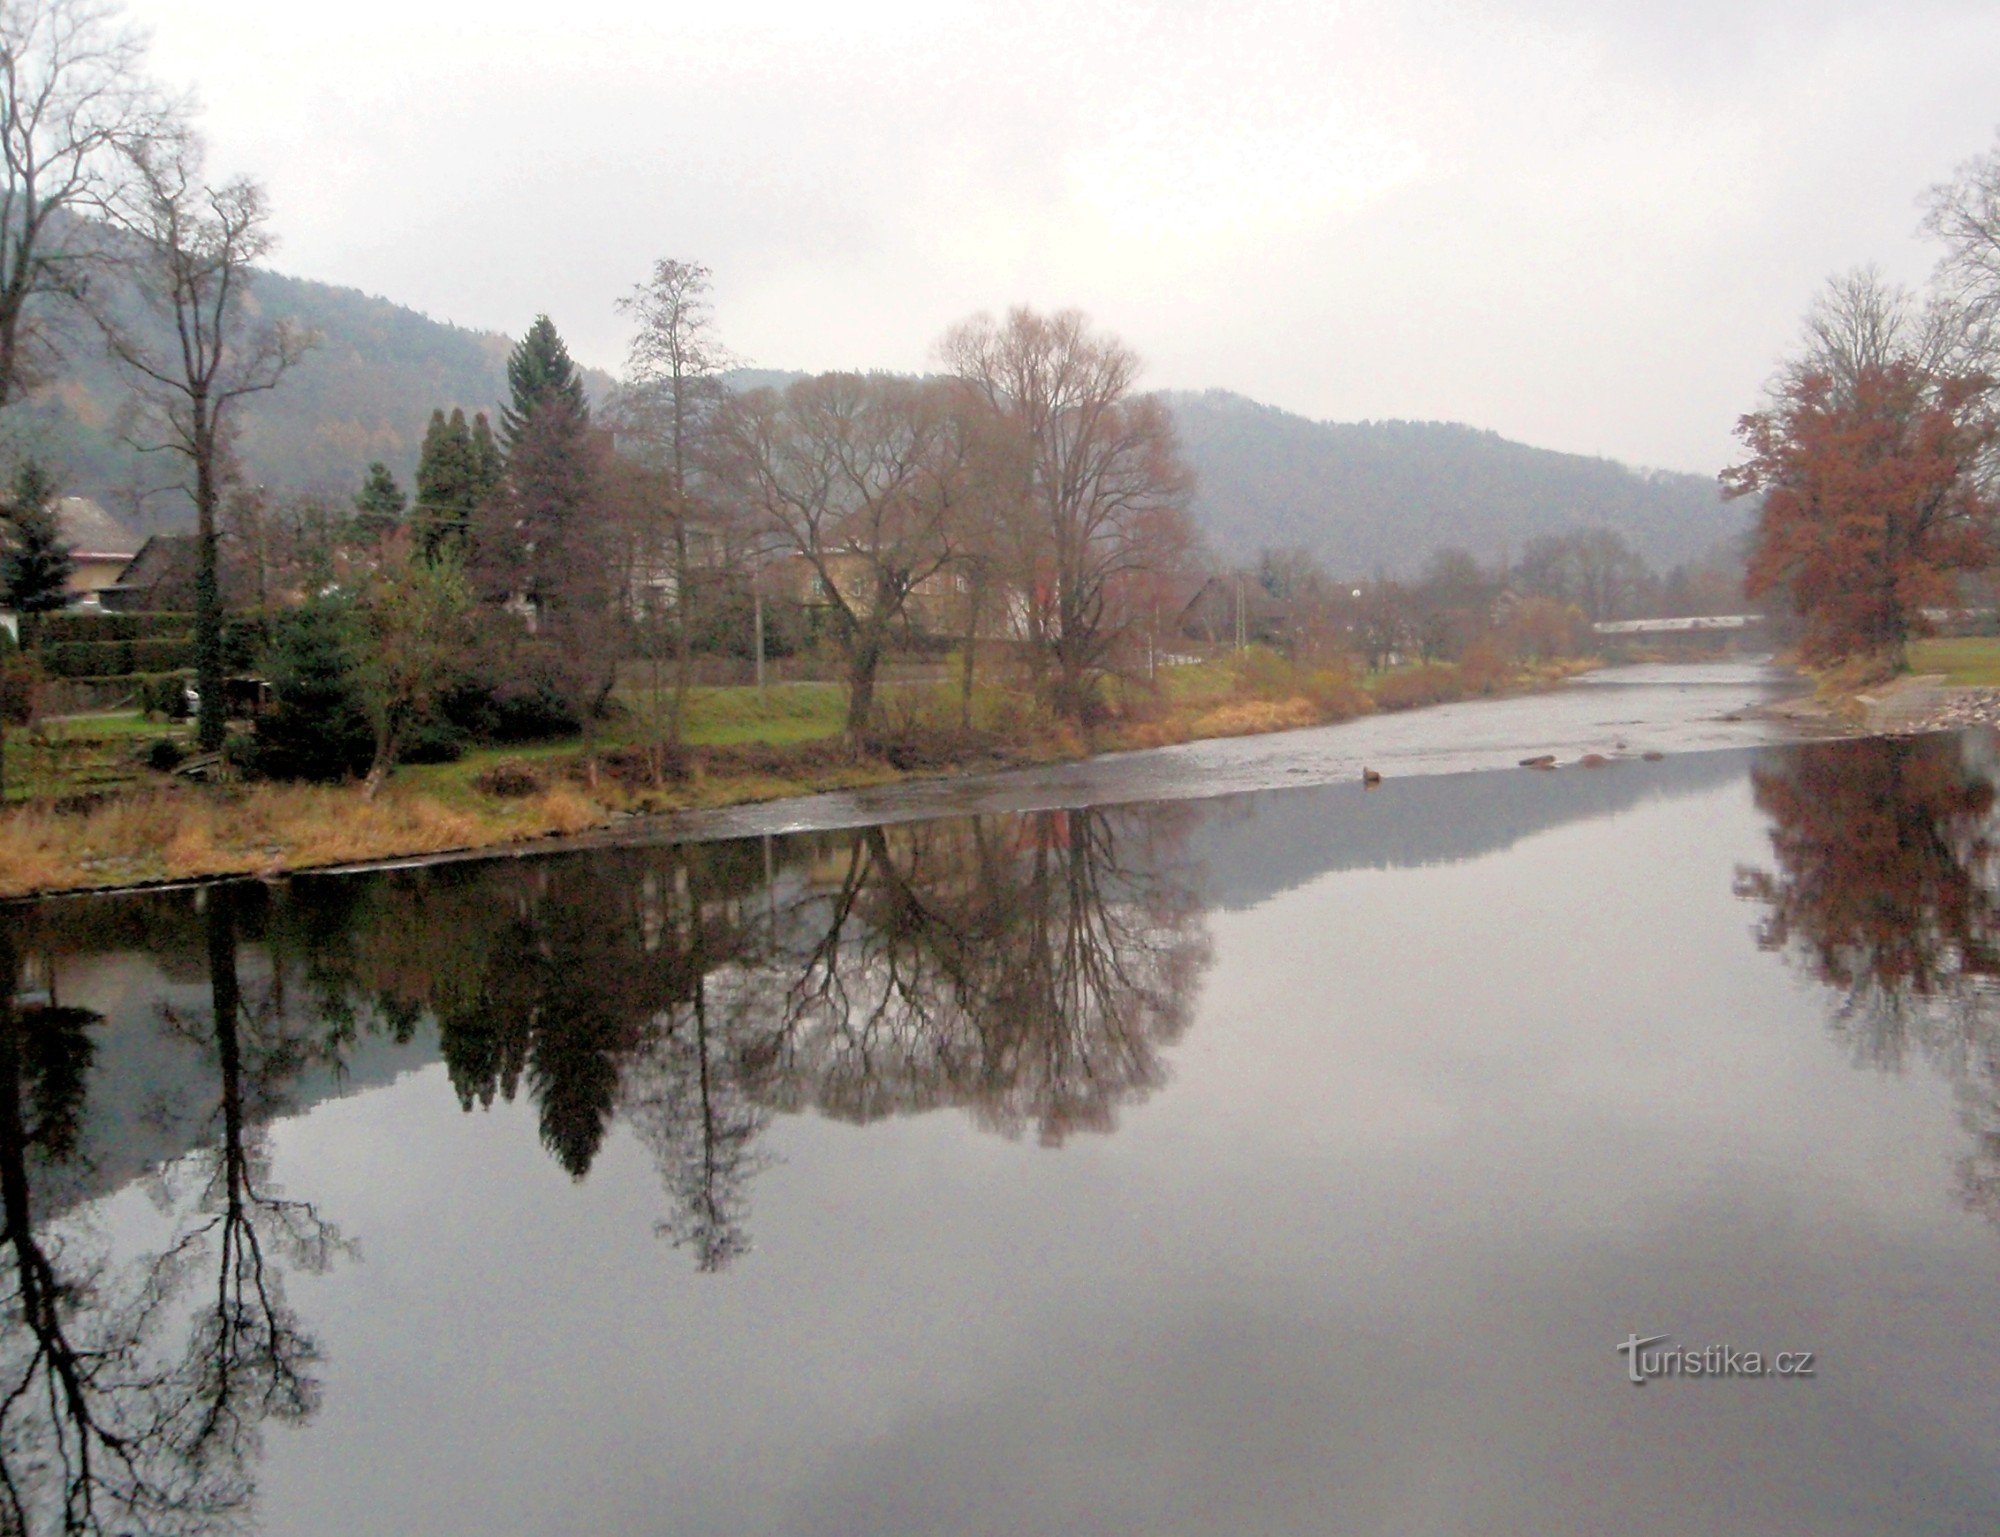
{"points": [[1291, 1161]]}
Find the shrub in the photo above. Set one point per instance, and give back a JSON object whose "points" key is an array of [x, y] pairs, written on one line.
{"points": [[165, 755], [163, 694], [1335, 693], [1262, 673], [510, 779], [20, 689], [316, 729], [434, 741], [1483, 668], [1409, 688]]}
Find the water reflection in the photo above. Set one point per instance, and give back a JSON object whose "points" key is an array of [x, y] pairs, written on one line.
{"points": [[1887, 891], [135, 1390]]}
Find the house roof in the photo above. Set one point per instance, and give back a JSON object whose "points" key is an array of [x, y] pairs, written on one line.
{"points": [[87, 529]]}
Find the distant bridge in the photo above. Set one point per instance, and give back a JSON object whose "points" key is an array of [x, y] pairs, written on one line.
{"points": [[1685, 625]]}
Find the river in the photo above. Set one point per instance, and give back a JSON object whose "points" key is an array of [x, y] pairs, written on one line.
{"points": [[1188, 1142]]}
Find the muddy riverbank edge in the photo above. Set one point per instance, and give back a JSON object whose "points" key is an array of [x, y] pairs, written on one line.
{"points": [[405, 829]]}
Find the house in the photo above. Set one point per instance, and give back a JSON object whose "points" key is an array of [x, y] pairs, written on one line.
{"points": [[159, 579], [937, 605], [100, 548]]}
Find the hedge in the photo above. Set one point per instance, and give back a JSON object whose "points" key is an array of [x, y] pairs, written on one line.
{"points": [[85, 629], [113, 658]]}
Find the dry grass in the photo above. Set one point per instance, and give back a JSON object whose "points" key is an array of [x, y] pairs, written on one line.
{"points": [[164, 832], [183, 833]]}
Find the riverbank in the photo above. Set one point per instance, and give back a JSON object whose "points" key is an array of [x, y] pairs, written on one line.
{"points": [[155, 828], [1950, 684]]}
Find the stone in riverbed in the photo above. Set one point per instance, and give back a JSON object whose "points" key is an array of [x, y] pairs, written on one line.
{"points": [[1546, 761]]}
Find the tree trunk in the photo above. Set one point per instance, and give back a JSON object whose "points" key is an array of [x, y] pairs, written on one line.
{"points": [[683, 631], [862, 662], [213, 722], [966, 663]]}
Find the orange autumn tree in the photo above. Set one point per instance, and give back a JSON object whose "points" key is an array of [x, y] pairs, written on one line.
{"points": [[1874, 498]]}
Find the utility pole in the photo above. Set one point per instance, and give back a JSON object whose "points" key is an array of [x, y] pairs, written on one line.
{"points": [[757, 625]]}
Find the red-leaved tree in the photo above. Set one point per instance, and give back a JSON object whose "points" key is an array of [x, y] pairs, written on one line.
{"points": [[1874, 498]]}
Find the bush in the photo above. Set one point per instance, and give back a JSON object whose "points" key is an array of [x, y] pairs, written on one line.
{"points": [[20, 689], [1335, 694], [1409, 688], [165, 755], [434, 741], [1483, 668], [1262, 673], [510, 779], [163, 694], [317, 728]]}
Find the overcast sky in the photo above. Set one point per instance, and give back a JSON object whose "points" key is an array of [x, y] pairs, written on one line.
{"points": [[1588, 224]]}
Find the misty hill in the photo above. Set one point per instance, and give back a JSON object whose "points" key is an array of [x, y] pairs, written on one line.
{"points": [[365, 392], [1368, 496], [1361, 495]]}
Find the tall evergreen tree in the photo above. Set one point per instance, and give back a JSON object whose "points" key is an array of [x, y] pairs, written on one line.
{"points": [[379, 504], [448, 489], [489, 464], [540, 372], [35, 571]]}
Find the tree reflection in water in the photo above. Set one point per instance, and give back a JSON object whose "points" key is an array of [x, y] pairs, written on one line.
{"points": [[134, 1394], [1887, 890], [1029, 970]]}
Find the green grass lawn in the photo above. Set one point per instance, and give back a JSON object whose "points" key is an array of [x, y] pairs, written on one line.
{"points": [[1964, 659], [75, 754]]}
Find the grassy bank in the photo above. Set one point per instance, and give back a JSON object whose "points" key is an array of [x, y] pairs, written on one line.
{"points": [[1968, 660], [86, 809]]}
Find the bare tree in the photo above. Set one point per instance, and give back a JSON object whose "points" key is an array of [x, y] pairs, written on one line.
{"points": [[1965, 214], [1861, 323], [75, 105], [196, 349], [672, 390], [862, 478], [1106, 484]]}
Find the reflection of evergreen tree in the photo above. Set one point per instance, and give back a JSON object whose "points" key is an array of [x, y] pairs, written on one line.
{"points": [[1887, 890], [564, 1000]]}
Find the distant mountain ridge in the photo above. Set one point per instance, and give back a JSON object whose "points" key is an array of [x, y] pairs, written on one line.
{"points": [[1369, 496], [1363, 496]]}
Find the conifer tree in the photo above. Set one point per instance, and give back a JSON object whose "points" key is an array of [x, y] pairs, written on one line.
{"points": [[35, 571], [379, 504], [489, 464], [447, 490], [540, 372]]}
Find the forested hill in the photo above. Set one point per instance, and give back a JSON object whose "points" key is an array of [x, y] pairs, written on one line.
{"points": [[1368, 496], [1363, 496], [365, 392]]}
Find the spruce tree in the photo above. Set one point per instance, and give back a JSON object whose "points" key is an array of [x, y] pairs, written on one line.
{"points": [[379, 504], [489, 464], [35, 571], [447, 490], [539, 373]]}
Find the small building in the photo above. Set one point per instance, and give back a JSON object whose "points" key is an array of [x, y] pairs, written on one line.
{"points": [[159, 579], [100, 548]]}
